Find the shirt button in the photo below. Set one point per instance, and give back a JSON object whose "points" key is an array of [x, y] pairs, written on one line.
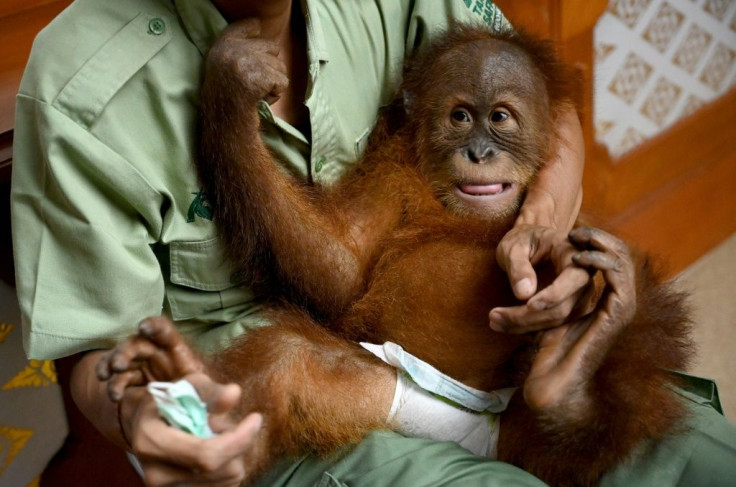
{"points": [[156, 26], [320, 164]]}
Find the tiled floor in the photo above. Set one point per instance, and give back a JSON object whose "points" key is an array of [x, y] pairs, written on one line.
{"points": [[32, 424]]}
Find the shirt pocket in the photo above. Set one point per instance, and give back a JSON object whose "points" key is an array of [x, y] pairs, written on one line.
{"points": [[87, 94], [203, 283]]}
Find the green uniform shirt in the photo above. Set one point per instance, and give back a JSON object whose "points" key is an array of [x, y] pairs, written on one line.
{"points": [[110, 227], [109, 224]]}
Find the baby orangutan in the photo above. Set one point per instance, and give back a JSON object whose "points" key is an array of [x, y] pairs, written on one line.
{"points": [[403, 250]]}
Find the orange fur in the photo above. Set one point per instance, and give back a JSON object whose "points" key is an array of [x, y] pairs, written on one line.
{"points": [[379, 258]]}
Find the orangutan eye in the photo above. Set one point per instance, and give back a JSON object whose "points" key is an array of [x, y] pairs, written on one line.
{"points": [[461, 115], [499, 116]]}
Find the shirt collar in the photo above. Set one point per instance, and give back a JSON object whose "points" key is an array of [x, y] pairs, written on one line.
{"points": [[203, 23]]}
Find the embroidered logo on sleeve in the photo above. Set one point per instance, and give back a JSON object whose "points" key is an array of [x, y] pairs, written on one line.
{"points": [[199, 207]]}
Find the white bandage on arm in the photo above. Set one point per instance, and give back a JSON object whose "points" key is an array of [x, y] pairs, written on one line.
{"points": [[420, 414], [429, 404]]}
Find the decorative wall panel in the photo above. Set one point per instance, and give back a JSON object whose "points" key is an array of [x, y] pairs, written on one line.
{"points": [[658, 61]]}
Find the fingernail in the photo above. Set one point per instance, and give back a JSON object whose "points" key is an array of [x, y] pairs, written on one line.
{"points": [[119, 364], [523, 287], [102, 373], [538, 305], [497, 321], [145, 327]]}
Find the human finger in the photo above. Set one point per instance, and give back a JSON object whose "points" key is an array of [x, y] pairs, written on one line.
{"points": [[218, 397], [118, 383], [221, 399], [161, 442], [513, 256], [550, 307], [520, 250], [217, 464], [567, 285], [517, 320]]}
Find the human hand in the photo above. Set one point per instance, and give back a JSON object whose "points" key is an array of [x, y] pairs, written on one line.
{"points": [[568, 356], [157, 352], [571, 294], [245, 63], [169, 456]]}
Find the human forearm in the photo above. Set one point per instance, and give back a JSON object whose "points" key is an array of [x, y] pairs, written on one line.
{"points": [[555, 197], [551, 206], [90, 396], [295, 377]]}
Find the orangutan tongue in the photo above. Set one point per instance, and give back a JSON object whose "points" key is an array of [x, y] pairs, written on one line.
{"points": [[483, 189]]}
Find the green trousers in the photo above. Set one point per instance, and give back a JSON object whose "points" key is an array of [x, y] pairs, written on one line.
{"points": [[704, 455]]}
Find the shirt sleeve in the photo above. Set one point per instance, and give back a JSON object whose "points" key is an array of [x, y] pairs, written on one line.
{"points": [[84, 221]]}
